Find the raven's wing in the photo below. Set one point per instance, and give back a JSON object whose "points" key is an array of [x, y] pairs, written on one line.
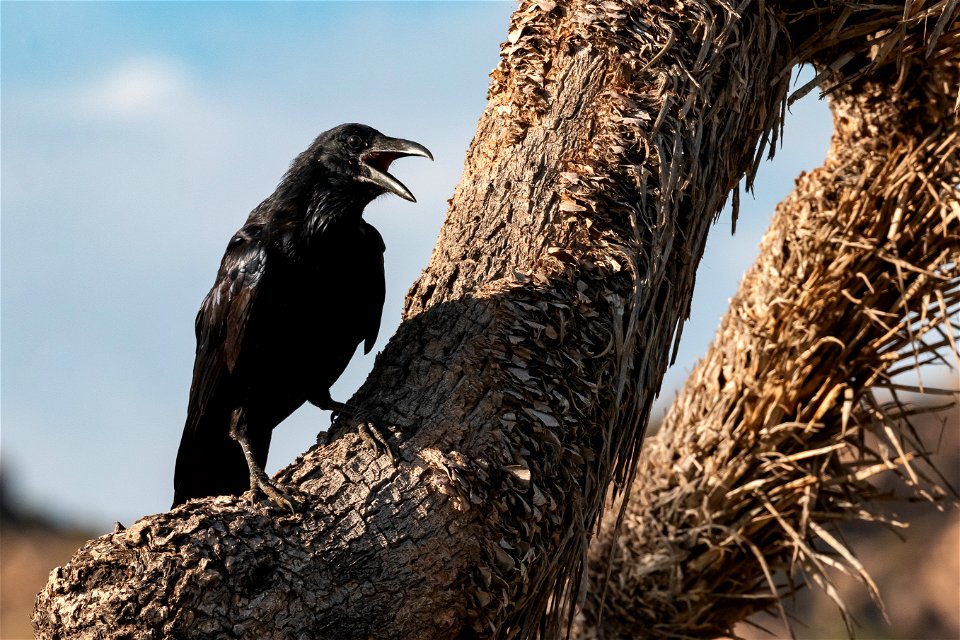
{"points": [[209, 462], [225, 314], [378, 286]]}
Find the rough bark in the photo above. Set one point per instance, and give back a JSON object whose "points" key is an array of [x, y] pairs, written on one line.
{"points": [[520, 381], [779, 431]]}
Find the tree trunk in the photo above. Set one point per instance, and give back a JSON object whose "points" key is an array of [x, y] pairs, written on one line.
{"points": [[520, 381]]}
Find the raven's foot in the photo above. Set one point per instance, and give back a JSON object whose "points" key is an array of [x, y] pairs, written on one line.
{"points": [[260, 484], [369, 432], [374, 436]]}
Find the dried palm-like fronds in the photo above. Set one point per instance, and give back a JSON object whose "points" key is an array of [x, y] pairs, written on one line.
{"points": [[780, 429]]}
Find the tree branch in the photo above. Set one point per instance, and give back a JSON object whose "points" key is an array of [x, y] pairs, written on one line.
{"points": [[779, 430]]}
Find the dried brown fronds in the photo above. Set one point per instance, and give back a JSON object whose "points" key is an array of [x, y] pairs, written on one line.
{"points": [[780, 429], [852, 40]]}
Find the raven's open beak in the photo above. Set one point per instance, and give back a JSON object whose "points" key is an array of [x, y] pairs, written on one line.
{"points": [[375, 161]]}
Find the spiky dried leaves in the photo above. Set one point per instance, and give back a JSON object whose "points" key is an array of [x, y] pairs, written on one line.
{"points": [[780, 429]]}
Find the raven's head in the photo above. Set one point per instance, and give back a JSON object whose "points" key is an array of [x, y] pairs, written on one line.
{"points": [[359, 156]]}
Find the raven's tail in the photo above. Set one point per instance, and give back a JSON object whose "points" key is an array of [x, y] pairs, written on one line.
{"points": [[210, 462]]}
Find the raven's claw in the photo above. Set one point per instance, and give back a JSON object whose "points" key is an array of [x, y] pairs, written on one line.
{"points": [[366, 429], [372, 435], [260, 483]]}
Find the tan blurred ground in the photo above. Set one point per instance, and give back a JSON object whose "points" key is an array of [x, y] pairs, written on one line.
{"points": [[27, 555]]}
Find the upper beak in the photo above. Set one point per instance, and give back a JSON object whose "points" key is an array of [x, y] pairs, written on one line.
{"points": [[375, 161]]}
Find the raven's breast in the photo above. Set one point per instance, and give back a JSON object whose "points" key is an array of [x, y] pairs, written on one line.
{"points": [[324, 306]]}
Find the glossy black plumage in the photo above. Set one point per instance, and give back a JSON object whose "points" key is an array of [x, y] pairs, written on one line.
{"points": [[300, 286]]}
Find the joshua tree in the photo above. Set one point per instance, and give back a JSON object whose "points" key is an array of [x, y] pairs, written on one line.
{"points": [[520, 382]]}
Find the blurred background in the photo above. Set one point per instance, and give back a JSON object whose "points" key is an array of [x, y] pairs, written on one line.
{"points": [[136, 137]]}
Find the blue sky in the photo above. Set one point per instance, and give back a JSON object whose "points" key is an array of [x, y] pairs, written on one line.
{"points": [[136, 137]]}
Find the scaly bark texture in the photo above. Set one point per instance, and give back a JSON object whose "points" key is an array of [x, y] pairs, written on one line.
{"points": [[779, 429], [520, 381]]}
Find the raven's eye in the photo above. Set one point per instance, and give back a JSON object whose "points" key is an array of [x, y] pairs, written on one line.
{"points": [[354, 142]]}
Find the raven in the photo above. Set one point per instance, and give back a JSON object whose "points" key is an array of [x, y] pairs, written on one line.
{"points": [[300, 286]]}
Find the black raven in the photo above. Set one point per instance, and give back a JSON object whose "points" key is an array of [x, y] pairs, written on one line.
{"points": [[300, 286]]}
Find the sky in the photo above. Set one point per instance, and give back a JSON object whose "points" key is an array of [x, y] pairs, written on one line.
{"points": [[136, 137]]}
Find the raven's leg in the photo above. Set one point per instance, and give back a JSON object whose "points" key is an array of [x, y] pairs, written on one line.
{"points": [[367, 430], [258, 478], [325, 402], [339, 409]]}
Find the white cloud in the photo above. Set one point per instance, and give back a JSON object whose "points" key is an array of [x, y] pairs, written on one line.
{"points": [[137, 88]]}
